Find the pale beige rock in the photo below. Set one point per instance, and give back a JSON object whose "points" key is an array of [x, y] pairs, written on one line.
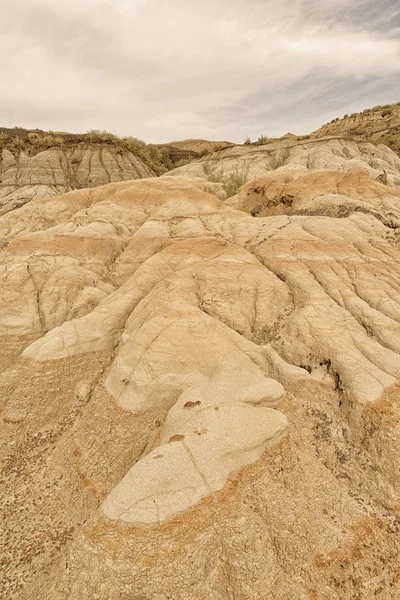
{"points": [[58, 170], [182, 472], [244, 163], [198, 403]]}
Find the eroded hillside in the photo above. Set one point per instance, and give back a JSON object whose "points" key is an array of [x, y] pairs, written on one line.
{"points": [[199, 388], [378, 124], [37, 164]]}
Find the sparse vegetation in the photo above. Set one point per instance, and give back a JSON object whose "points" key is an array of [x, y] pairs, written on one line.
{"points": [[235, 180], [247, 141], [44, 140], [368, 125], [33, 142], [95, 135], [232, 182], [182, 162], [216, 176], [262, 139]]}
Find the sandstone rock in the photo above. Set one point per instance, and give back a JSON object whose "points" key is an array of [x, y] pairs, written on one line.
{"points": [[378, 124], [242, 164], [200, 403], [58, 170]]}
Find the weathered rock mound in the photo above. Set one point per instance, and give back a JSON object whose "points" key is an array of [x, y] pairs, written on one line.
{"points": [[58, 170], [200, 396], [199, 146], [237, 165], [379, 124]]}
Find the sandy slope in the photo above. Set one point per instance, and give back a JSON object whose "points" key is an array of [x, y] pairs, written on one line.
{"points": [[199, 395]]}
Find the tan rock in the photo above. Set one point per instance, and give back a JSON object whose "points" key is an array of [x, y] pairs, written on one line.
{"points": [[57, 170], [200, 403]]}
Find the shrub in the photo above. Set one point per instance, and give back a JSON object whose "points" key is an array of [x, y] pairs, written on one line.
{"points": [[182, 162], [216, 176], [44, 141], [207, 168], [262, 139], [247, 141], [95, 135], [235, 180], [386, 112], [132, 143], [231, 182], [16, 144]]}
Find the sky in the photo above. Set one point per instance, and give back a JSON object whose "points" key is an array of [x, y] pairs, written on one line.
{"points": [[165, 70]]}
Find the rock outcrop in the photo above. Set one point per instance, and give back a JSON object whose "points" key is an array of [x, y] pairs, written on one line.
{"points": [[59, 170], [239, 164], [379, 124], [199, 146], [200, 394]]}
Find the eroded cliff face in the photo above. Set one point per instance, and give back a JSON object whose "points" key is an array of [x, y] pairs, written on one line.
{"points": [[59, 170], [379, 124], [237, 165], [200, 394]]}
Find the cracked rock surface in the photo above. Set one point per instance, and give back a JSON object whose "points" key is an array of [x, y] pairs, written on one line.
{"points": [[199, 399], [58, 170]]}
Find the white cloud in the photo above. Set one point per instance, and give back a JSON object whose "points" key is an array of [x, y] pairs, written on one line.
{"points": [[164, 69]]}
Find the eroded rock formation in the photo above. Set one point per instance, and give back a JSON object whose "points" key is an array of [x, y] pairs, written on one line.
{"points": [[200, 399], [59, 170]]}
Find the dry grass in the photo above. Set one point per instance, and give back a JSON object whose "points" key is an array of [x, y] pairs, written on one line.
{"points": [[231, 182], [33, 142]]}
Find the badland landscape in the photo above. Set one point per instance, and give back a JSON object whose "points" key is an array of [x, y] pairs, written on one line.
{"points": [[200, 364]]}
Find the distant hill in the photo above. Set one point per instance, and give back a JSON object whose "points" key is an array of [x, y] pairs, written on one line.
{"points": [[378, 124], [199, 146]]}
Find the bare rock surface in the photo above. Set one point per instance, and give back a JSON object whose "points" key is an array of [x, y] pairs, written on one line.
{"points": [[198, 145], [244, 163], [58, 170], [200, 395]]}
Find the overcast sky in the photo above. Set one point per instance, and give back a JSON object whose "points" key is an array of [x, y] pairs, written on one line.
{"points": [[164, 70]]}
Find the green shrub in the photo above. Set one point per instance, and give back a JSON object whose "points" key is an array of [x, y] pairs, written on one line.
{"points": [[44, 140], [95, 135], [234, 181], [231, 182], [16, 144], [262, 139], [216, 176]]}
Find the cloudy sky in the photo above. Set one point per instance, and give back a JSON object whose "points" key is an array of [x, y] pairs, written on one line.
{"points": [[172, 69]]}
